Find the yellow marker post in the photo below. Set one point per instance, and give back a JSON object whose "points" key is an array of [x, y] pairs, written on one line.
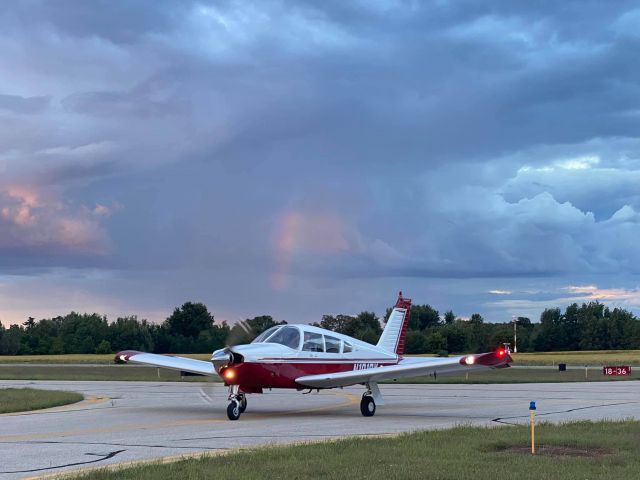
{"points": [[532, 414]]}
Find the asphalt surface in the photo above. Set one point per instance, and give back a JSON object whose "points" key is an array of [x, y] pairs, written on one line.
{"points": [[131, 421]]}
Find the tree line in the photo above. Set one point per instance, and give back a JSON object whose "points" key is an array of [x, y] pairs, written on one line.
{"points": [[191, 328]]}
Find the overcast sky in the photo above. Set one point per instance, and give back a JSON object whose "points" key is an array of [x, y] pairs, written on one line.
{"points": [[301, 158]]}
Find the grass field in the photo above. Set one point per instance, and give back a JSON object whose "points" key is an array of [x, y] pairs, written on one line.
{"points": [[24, 399], [599, 358], [603, 450], [141, 373], [79, 358], [89, 372], [526, 375]]}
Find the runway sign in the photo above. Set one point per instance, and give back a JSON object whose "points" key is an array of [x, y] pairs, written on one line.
{"points": [[616, 371]]}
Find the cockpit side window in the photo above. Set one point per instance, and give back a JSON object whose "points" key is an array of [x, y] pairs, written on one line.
{"points": [[332, 344], [347, 348], [287, 336], [267, 333], [313, 342]]}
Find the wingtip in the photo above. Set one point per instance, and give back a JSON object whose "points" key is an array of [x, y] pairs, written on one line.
{"points": [[123, 356]]}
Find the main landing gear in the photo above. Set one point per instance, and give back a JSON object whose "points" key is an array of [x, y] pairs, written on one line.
{"points": [[367, 405], [369, 399], [237, 403]]}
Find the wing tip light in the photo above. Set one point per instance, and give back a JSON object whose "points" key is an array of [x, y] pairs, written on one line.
{"points": [[498, 357], [123, 357]]}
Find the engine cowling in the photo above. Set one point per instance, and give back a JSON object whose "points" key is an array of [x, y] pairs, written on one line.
{"points": [[224, 358]]}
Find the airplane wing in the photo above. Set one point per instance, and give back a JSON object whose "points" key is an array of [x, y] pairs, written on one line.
{"points": [[409, 367], [174, 363]]}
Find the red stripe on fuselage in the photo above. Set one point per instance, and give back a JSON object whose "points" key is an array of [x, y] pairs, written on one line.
{"points": [[283, 375], [327, 360]]}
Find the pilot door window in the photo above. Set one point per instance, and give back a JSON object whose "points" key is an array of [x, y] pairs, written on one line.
{"points": [[313, 342]]}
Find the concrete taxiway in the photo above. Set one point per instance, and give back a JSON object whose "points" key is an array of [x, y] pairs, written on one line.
{"points": [[131, 421]]}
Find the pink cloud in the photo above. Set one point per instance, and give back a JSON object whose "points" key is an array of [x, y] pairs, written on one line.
{"points": [[612, 297], [593, 293], [101, 210], [32, 219]]}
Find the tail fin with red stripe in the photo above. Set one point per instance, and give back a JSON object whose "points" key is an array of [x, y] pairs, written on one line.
{"points": [[392, 338]]}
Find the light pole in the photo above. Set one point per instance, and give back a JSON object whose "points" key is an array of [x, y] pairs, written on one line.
{"points": [[515, 334]]}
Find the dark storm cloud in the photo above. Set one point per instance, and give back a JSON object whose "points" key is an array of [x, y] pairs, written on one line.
{"points": [[116, 22], [308, 145], [113, 104], [24, 105], [72, 172]]}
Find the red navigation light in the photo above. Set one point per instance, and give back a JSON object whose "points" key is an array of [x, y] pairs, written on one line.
{"points": [[500, 352]]}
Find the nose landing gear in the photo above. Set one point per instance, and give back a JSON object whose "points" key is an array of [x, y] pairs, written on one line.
{"points": [[233, 410], [237, 403]]}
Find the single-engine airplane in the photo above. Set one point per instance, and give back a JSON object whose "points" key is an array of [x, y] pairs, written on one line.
{"points": [[304, 357]]}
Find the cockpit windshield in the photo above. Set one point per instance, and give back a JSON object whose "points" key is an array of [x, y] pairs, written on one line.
{"points": [[267, 333], [287, 336]]}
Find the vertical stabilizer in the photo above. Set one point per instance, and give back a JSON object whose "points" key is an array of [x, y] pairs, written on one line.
{"points": [[392, 338]]}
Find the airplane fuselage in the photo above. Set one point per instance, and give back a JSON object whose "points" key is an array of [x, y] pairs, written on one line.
{"points": [[272, 365], [275, 373]]}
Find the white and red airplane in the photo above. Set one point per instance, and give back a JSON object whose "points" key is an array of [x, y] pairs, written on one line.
{"points": [[306, 357]]}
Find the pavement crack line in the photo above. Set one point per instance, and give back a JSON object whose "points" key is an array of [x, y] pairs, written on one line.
{"points": [[102, 458], [112, 444], [501, 419]]}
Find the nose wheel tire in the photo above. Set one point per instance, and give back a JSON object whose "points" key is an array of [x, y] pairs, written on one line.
{"points": [[367, 406], [233, 410], [243, 403]]}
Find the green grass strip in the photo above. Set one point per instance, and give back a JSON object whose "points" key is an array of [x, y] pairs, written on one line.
{"points": [[25, 399], [583, 450]]}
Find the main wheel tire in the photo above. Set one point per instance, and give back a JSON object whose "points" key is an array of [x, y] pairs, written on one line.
{"points": [[243, 403], [233, 410], [367, 406]]}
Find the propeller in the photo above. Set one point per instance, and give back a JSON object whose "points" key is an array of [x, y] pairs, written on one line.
{"points": [[240, 333]]}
